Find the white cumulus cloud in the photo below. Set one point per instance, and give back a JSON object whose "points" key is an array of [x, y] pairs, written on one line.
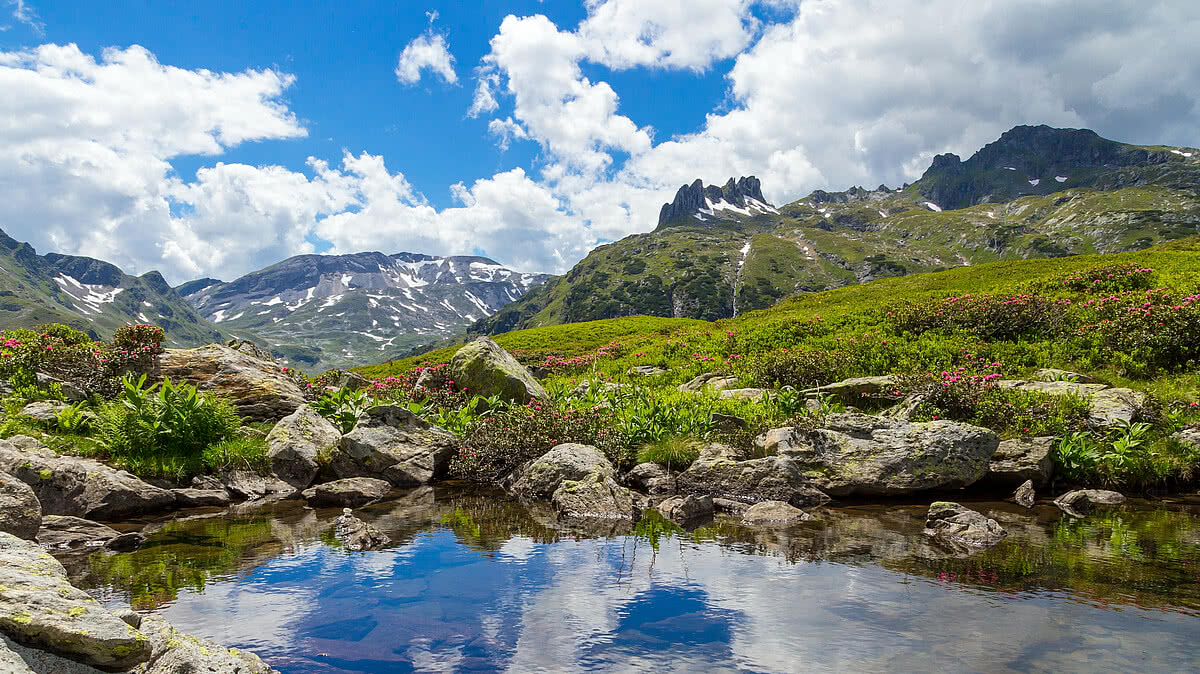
{"points": [[426, 52]]}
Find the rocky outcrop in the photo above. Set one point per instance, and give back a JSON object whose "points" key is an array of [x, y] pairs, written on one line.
{"points": [[1052, 374], [744, 393], [961, 528], [857, 454], [20, 510], [721, 473], [356, 535], [63, 532], [173, 652], [393, 444], [650, 478], [646, 371], [709, 381], [745, 193], [258, 388], [541, 477], [70, 485], [1021, 459], [251, 486], [43, 411], [595, 497], [295, 444], [774, 512], [1025, 496], [484, 368], [1189, 437], [855, 388], [39, 608], [1083, 501], [350, 492], [684, 509], [201, 498]]}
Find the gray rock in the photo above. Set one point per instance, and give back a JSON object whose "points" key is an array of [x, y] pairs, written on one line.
{"points": [[43, 411], [595, 497], [129, 617], [356, 535], [250, 349], [70, 485], [127, 542], [11, 662], [201, 498], [1051, 374], [1021, 459], [1083, 501], [709, 381], [683, 509], [393, 444], [745, 393], [855, 388], [1025, 495], [297, 442], [650, 478], [40, 608], [569, 461], [251, 486], [646, 371], [174, 652], [1109, 406], [1189, 437], [71, 392], [20, 511], [257, 386], [63, 532], [719, 472], [857, 454], [483, 367], [352, 380], [774, 512], [961, 528], [350, 492], [731, 507]]}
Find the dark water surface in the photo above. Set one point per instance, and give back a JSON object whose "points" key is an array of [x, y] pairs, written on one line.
{"points": [[475, 582]]}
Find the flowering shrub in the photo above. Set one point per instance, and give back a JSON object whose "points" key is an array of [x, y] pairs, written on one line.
{"points": [[801, 368], [1006, 317], [1106, 279], [1148, 331], [70, 355]]}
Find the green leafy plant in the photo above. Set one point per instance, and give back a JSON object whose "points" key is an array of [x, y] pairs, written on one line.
{"points": [[72, 418], [1075, 458], [674, 454], [344, 407], [244, 452]]}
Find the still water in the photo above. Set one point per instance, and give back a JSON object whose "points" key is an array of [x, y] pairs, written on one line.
{"points": [[475, 582]]}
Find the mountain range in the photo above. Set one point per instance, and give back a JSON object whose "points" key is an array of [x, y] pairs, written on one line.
{"points": [[716, 252], [1037, 191]]}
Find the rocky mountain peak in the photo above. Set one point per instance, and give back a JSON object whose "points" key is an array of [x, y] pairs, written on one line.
{"points": [[697, 201]]}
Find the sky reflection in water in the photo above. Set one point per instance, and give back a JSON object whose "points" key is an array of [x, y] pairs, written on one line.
{"points": [[476, 584]]}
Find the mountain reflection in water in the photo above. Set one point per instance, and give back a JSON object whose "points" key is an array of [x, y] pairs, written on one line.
{"points": [[476, 582]]}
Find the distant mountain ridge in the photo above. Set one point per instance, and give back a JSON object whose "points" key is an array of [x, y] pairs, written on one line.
{"points": [[1037, 191], [91, 295], [339, 310]]}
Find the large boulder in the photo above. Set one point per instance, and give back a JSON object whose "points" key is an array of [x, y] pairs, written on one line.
{"points": [[173, 652], [393, 444], [1052, 374], [683, 509], [774, 512], [297, 442], [569, 461], [745, 393], [1021, 459], [356, 535], [20, 511], [709, 381], [251, 486], [258, 387], [70, 485], [961, 528], [350, 492], [650, 478], [855, 388], [595, 497], [484, 368], [721, 473], [1082, 501], [646, 370], [42, 411], [201, 498], [858, 454], [1188, 437], [40, 608]]}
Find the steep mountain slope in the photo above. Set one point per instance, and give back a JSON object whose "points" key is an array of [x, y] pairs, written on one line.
{"points": [[91, 295], [324, 311], [1035, 192]]}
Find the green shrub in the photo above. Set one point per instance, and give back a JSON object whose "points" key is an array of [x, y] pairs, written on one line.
{"points": [[163, 429], [674, 454], [343, 407], [244, 452], [801, 369], [72, 419]]}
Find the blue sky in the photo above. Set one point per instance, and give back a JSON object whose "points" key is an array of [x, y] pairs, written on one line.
{"points": [[216, 138]]}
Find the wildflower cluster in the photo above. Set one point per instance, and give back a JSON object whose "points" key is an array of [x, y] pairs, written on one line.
{"points": [[992, 317], [1150, 331], [70, 355], [1107, 279]]}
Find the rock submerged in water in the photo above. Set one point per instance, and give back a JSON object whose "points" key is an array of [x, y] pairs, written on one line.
{"points": [[595, 497], [1082, 501], [774, 512], [721, 473], [858, 454], [684, 509], [350, 492], [961, 528], [356, 535], [296, 443], [20, 511], [393, 444], [71, 485], [540, 477], [484, 368]]}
